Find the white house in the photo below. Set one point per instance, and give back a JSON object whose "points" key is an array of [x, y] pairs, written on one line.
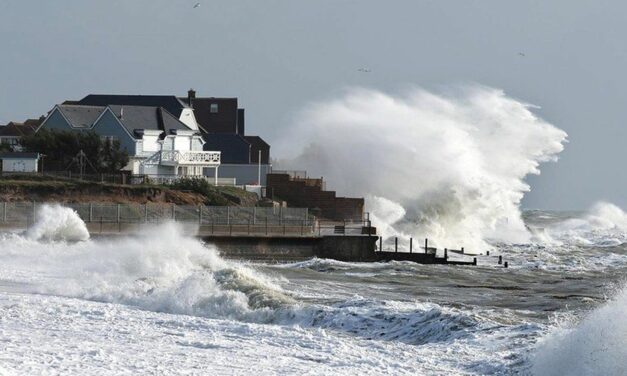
{"points": [[160, 146], [19, 162]]}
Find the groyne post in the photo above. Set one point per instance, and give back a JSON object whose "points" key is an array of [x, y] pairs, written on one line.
{"points": [[380, 243], [426, 246], [474, 261], [500, 259], [462, 250], [445, 254], [395, 244], [411, 244], [487, 253], [505, 265]]}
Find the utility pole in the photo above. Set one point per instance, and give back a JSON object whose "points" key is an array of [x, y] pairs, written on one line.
{"points": [[259, 168]]}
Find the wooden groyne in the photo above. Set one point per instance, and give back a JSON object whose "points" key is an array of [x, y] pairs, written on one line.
{"points": [[427, 255]]}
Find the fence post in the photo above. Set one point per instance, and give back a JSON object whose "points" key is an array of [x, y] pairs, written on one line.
{"points": [[173, 211], [254, 215], [91, 212], [118, 213], [228, 215], [146, 213], [199, 215], [266, 225], [34, 209], [4, 214]]}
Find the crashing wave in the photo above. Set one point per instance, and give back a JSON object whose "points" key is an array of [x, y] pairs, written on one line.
{"points": [[447, 167]]}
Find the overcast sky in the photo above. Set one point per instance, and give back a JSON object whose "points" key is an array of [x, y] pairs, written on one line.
{"points": [[277, 56]]}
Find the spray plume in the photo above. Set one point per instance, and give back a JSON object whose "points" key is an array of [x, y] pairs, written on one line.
{"points": [[450, 167]]}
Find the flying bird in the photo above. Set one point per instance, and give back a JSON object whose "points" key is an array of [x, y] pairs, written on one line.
{"points": [[364, 70], [521, 54], [196, 5]]}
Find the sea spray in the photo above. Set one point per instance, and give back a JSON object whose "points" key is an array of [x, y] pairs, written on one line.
{"points": [[594, 346], [455, 163], [55, 222], [159, 269], [603, 225]]}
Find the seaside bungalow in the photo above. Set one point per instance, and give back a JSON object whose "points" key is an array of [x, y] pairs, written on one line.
{"points": [[19, 162], [159, 144], [12, 133]]}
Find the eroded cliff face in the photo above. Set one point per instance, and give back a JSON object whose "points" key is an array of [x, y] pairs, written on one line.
{"points": [[72, 191]]}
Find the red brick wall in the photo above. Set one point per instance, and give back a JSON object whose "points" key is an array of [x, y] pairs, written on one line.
{"points": [[308, 193]]}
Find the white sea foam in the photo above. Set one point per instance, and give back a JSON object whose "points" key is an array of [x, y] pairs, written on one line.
{"points": [[158, 270], [454, 163], [55, 222], [594, 346], [603, 225]]}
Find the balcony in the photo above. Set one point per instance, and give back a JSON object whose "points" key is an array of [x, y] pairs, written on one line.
{"points": [[190, 158]]}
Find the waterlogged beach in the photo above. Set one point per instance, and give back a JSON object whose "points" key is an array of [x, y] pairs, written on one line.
{"points": [[160, 302]]}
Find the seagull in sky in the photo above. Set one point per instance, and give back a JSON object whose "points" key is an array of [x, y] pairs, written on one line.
{"points": [[521, 54], [196, 5], [364, 70]]}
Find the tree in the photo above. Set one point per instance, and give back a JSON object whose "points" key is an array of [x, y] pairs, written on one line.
{"points": [[113, 158], [62, 147]]}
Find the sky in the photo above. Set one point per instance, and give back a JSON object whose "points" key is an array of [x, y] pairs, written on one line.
{"points": [[277, 56]]}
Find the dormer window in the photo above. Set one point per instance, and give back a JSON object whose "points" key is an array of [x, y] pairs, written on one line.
{"points": [[213, 108]]}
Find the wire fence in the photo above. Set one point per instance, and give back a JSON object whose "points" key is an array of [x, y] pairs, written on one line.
{"points": [[157, 212]]}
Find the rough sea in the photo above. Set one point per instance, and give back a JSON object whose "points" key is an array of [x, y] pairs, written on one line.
{"points": [[162, 303]]}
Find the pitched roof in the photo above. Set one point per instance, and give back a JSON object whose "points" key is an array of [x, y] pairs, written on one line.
{"points": [[21, 155], [133, 118], [137, 118], [257, 141], [14, 129], [170, 102], [81, 116]]}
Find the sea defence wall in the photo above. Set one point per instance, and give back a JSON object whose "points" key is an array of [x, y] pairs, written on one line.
{"points": [[282, 249]]}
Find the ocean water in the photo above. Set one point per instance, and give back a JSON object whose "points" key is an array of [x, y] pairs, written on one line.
{"points": [[163, 303]]}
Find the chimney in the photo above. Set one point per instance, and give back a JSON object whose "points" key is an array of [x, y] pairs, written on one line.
{"points": [[191, 94]]}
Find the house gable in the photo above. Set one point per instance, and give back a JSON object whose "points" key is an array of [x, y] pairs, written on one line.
{"points": [[108, 125]]}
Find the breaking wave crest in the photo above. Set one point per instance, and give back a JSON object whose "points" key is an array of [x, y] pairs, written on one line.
{"points": [[161, 270], [603, 225], [594, 346], [54, 222], [448, 167]]}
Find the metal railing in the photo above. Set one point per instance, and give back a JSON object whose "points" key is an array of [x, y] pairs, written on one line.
{"points": [[190, 157], [210, 220]]}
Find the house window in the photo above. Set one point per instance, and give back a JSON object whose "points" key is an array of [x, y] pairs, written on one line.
{"points": [[213, 108], [110, 139]]}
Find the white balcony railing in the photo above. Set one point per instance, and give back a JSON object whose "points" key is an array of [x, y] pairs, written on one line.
{"points": [[204, 158]]}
